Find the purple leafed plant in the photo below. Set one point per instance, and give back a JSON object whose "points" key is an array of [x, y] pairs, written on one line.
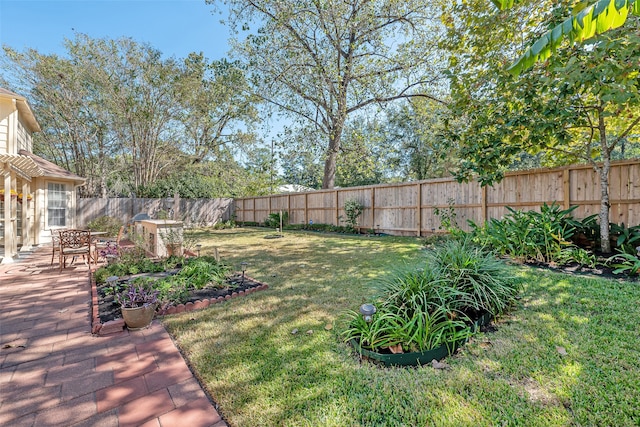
{"points": [[137, 295], [110, 249]]}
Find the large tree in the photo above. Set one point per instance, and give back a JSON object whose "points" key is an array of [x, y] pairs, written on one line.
{"points": [[416, 130], [65, 97], [324, 60], [121, 115], [218, 109], [581, 105]]}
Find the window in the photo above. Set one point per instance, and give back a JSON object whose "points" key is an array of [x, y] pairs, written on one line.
{"points": [[56, 205]]}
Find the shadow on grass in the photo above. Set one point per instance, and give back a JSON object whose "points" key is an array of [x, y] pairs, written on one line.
{"points": [[569, 347]]}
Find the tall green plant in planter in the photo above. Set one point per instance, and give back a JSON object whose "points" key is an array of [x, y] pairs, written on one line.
{"points": [[437, 305]]}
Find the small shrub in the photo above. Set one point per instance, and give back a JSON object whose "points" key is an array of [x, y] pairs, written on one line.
{"points": [[353, 209], [222, 225], [543, 236], [273, 220], [448, 219]]}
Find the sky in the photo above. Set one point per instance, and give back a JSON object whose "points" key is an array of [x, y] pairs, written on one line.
{"points": [[175, 27]]}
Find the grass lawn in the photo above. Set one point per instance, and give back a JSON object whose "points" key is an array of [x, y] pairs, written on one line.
{"points": [[261, 374]]}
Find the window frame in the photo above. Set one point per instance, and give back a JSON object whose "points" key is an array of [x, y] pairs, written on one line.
{"points": [[62, 189]]}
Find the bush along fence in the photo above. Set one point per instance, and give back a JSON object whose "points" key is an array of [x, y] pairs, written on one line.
{"points": [[424, 207]]}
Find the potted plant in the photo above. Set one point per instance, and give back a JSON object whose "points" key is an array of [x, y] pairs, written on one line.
{"points": [[138, 304], [173, 239]]}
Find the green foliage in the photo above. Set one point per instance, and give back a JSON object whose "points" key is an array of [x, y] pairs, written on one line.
{"points": [[221, 225], [273, 220], [436, 305], [416, 290], [582, 105], [625, 263], [543, 236], [193, 274], [448, 221], [201, 271], [418, 331], [627, 239], [353, 209], [106, 223], [585, 22], [131, 262], [479, 282], [421, 149]]}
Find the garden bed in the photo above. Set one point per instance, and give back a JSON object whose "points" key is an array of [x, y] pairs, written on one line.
{"points": [[184, 285], [109, 309]]}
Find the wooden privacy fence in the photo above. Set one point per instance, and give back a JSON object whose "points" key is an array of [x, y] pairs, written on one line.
{"points": [[408, 208], [193, 212]]}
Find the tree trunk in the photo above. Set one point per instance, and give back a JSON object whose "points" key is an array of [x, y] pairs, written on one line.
{"points": [[335, 137], [605, 244], [329, 177]]}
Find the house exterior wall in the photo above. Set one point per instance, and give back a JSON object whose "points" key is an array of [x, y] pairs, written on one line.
{"points": [[24, 138], [4, 128], [42, 228], [5, 112], [25, 222]]}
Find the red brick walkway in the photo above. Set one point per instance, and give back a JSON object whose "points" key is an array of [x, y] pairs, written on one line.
{"points": [[53, 372]]}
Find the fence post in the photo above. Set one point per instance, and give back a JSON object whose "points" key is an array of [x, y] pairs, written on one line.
{"points": [[566, 186], [176, 206], [483, 214], [337, 210], [306, 211], [373, 210], [419, 208]]}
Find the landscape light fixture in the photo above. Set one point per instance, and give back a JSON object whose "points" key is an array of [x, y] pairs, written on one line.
{"points": [[367, 311], [243, 266], [198, 247]]}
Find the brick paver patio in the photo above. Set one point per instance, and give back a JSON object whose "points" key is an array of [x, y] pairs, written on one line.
{"points": [[54, 372]]}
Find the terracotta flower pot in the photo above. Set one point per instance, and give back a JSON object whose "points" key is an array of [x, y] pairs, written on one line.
{"points": [[138, 317], [174, 249]]}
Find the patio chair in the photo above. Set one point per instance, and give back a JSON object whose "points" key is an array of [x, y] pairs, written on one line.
{"points": [[55, 242], [122, 242], [74, 243]]}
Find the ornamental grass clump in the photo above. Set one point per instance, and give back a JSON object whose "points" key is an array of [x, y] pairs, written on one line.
{"points": [[423, 309], [476, 280]]}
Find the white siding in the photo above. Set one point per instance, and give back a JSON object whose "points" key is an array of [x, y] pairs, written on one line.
{"points": [[5, 111], [24, 137]]}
